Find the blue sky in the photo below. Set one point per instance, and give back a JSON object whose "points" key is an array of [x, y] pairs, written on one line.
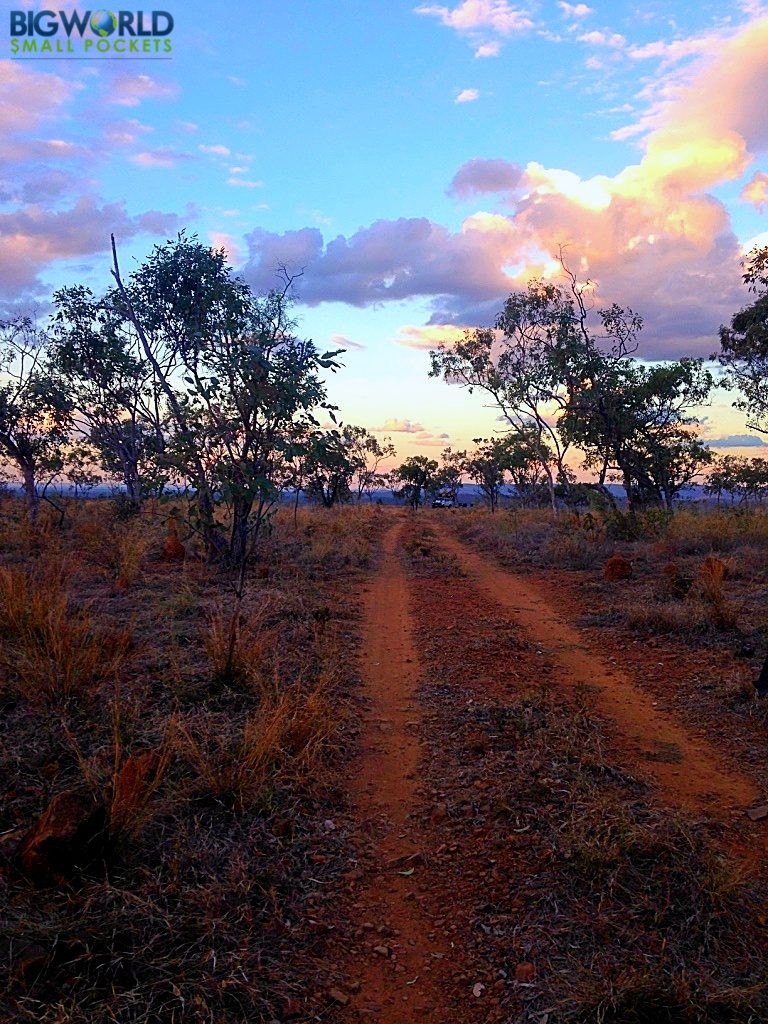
{"points": [[418, 161]]}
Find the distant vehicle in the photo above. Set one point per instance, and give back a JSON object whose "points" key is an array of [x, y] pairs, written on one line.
{"points": [[444, 502]]}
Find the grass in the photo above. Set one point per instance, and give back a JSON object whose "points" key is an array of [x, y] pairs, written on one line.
{"points": [[630, 912], [54, 651], [209, 730]]}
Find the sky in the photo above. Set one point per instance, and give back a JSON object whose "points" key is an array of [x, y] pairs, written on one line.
{"points": [[414, 163]]}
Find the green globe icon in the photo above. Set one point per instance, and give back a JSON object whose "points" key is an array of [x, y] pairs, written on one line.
{"points": [[103, 23]]}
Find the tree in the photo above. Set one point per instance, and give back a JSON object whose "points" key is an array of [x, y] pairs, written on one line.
{"points": [[636, 421], [744, 344], [487, 466], [740, 478], [533, 362], [35, 410], [527, 459], [415, 478], [368, 453], [329, 466], [98, 353], [235, 380], [449, 477]]}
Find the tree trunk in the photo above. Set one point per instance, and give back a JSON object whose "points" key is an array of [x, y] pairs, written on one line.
{"points": [[238, 545], [30, 491]]}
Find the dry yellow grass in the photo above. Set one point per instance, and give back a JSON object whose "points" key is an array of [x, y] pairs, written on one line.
{"points": [[52, 651]]}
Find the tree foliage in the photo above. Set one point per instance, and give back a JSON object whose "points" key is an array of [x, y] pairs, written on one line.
{"points": [[35, 409], [744, 344]]}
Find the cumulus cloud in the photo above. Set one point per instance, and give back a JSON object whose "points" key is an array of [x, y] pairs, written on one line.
{"points": [[56, 216], [29, 97], [574, 12], [467, 96], [395, 426], [33, 238], [669, 52], [227, 242], [481, 21], [756, 191], [471, 15], [215, 150], [479, 176], [390, 260], [126, 132], [651, 236], [611, 39]]}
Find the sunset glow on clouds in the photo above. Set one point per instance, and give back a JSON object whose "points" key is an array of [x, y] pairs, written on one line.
{"points": [[413, 178]]}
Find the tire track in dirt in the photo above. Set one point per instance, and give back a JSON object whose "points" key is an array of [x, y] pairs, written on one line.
{"points": [[399, 971], [688, 771]]}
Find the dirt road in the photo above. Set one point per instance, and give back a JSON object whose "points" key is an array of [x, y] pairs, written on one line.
{"points": [[687, 770], [494, 814], [399, 971]]}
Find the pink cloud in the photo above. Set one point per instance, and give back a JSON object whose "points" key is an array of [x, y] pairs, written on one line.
{"points": [[574, 11], [756, 191], [649, 236], [33, 238], [342, 341], [29, 97], [130, 90], [227, 242], [155, 158], [471, 15], [610, 39], [467, 96]]}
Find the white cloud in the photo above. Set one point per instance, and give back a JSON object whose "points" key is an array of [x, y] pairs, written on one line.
{"points": [[244, 183], [467, 96], [130, 90], [488, 50], [471, 15], [574, 12], [214, 150], [613, 40]]}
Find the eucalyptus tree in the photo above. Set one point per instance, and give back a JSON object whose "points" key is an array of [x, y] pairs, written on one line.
{"points": [[744, 344], [35, 409], [329, 466], [637, 422], [534, 360], [368, 453], [416, 478], [234, 378], [112, 384]]}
